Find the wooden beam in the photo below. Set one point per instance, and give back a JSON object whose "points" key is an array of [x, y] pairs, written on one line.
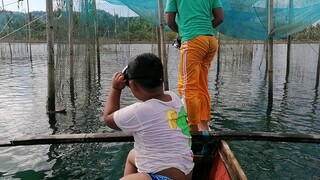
{"points": [[69, 138], [256, 136], [198, 137]]}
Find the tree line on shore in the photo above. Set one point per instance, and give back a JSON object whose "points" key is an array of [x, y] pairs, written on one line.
{"points": [[14, 26]]}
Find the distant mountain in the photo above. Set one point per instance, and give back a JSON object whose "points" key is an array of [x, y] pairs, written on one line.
{"points": [[38, 13]]}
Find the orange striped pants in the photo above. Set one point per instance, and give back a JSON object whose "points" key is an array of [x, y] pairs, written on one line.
{"points": [[196, 56]]}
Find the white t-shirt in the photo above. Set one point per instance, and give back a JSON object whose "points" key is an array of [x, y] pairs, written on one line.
{"points": [[161, 134]]}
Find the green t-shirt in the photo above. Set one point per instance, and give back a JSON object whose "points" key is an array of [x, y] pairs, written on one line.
{"points": [[193, 16]]}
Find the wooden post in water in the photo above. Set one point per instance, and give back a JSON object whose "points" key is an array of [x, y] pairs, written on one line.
{"points": [[289, 41], [71, 33], [285, 87], [288, 57], [97, 39], [163, 56], [71, 52], [50, 58], [270, 55], [90, 41], [318, 70], [158, 41], [115, 22], [218, 55], [29, 28]]}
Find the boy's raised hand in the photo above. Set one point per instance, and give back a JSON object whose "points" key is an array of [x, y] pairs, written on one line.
{"points": [[118, 81], [113, 99]]}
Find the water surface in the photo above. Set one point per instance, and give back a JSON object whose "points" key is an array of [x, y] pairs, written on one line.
{"points": [[239, 91]]}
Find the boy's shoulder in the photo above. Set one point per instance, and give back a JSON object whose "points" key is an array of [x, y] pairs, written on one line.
{"points": [[172, 94]]}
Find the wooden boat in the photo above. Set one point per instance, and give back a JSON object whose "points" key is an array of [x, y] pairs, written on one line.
{"points": [[218, 164], [216, 160]]}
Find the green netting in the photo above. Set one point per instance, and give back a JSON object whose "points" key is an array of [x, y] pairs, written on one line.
{"points": [[148, 9], [80, 23], [247, 19]]}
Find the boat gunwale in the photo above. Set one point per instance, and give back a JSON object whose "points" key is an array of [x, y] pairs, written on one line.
{"points": [[230, 161]]}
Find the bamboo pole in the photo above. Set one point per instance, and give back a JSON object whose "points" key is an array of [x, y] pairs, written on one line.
{"points": [[218, 56], [158, 41], [289, 49], [270, 55], [29, 30], [115, 22], [288, 57], [163, 56], [289, 42], [71, 33], [88, 43], [71, 52], [318, 70], [10, 49], [270, 36], [97, 39], [50, 58], [197, 138]]}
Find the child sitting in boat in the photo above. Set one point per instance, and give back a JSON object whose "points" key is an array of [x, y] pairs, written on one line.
{"points": [[162, 147]]}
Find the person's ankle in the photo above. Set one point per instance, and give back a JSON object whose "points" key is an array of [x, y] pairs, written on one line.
{"points": [[193, 128], [204, 129], [203, 126]]}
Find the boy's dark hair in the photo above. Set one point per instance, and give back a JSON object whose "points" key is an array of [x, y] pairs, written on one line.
{"points": [[146, 70]]}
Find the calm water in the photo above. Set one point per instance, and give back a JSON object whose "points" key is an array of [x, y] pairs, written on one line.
{"points": [[239, 102]]}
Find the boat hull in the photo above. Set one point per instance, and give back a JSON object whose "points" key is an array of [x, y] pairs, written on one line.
{"points": [[219, 163]]}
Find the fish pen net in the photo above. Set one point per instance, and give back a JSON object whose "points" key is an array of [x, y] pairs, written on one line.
{"points": [[246, 23], [85, 29], [247, 19], [75, 51]]}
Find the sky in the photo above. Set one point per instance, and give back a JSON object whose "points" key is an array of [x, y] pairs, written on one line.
{"points": [[40, 5]]}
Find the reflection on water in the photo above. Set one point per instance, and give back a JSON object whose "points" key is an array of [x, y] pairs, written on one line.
{"points": [[239, 102]]}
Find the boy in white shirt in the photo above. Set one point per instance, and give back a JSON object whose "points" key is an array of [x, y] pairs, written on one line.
{"points": [[162, 147]]}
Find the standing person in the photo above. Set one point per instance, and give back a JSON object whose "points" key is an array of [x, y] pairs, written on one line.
{"points": [[162, 141], [194, 21]]}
